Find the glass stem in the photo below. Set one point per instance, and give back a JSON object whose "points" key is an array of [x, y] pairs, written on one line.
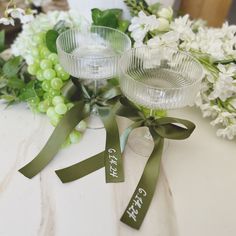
{"points": [[95, 87], [151, 112]]}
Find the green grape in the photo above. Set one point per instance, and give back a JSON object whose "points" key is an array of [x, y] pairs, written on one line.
{"points": [[55, 120], [69, 105], [51, 112], [61, 108], [47, 96], [47, 103], [52, 92], [64, 75], [45, 64], [49, 74], [43, 106], [75, 136], [39, 38], [39, 75], [33, 103], [35, 52], [44, 52], [46, 85], [56, 83], [53, 58], [81, 126], [57, 100], [66, 143], [58, 68], [32, 69]]}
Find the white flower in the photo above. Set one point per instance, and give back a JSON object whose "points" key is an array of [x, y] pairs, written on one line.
{"points": [[24, 43], [228, 70], [26, 18], [141, 25], [223, 118], [232, 102], [168, 39], [229, 132], [166, 13], [7, 21], [15, 13], [224, 88], [182, 25], [164, 24]]}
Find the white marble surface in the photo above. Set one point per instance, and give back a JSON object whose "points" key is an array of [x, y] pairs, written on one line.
{"points": [[200, 170]]}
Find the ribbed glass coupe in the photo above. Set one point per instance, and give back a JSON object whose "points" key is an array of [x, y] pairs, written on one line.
{"points": [[160, 78], [92, 54]]}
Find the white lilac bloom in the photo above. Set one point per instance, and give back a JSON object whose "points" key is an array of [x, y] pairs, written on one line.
{"points": [[15, 13], [165, 12], [225, 86], [141, 25], [223, 118], [228, 132], [182, 25], [7, 21], [164, 24], [170, 39]]}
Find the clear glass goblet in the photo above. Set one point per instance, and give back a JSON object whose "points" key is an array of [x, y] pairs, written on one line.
{"points": [[158, 78], [92, 54]]}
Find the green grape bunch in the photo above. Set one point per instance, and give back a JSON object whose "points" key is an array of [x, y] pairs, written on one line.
{"points": [[45, 67]]}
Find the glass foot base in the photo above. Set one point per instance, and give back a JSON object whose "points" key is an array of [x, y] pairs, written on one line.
{"points": [[94, 122], [140, 141]]}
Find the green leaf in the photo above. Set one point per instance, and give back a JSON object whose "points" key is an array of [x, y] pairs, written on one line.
{"points": [[51, 37], [96, 15], [154, 7], [8, 98], [2, 40], [116, 11], [3, 82], [28, 92], [108, 19], [15, 83], [12, 67], [123, 25]]}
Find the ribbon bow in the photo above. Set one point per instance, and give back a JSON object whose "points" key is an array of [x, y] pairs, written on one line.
{"points": [[104, 102], [161, 128]]}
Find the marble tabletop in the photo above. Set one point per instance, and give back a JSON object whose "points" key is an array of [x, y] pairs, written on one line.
{"points": [[199, 199]]}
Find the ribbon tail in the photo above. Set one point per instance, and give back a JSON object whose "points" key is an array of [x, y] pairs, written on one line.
{"points": [[112, 155], [81, 169], [142, 197], [58, 137], [91, 164]]}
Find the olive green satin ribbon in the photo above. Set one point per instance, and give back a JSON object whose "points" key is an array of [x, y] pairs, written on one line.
{"points": [[105, 103], [91, 164], [167, 127]]}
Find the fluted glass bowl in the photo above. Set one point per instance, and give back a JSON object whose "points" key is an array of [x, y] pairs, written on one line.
{"points": [[92, 53], [160, 78]]}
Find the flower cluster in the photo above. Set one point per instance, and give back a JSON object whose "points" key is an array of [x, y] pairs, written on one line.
{"points": [[215, 48], [13, 12], [25, 43]]}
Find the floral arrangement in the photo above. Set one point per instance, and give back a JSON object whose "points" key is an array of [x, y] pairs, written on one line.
{"points": [[39, 79], [215, 48]]}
